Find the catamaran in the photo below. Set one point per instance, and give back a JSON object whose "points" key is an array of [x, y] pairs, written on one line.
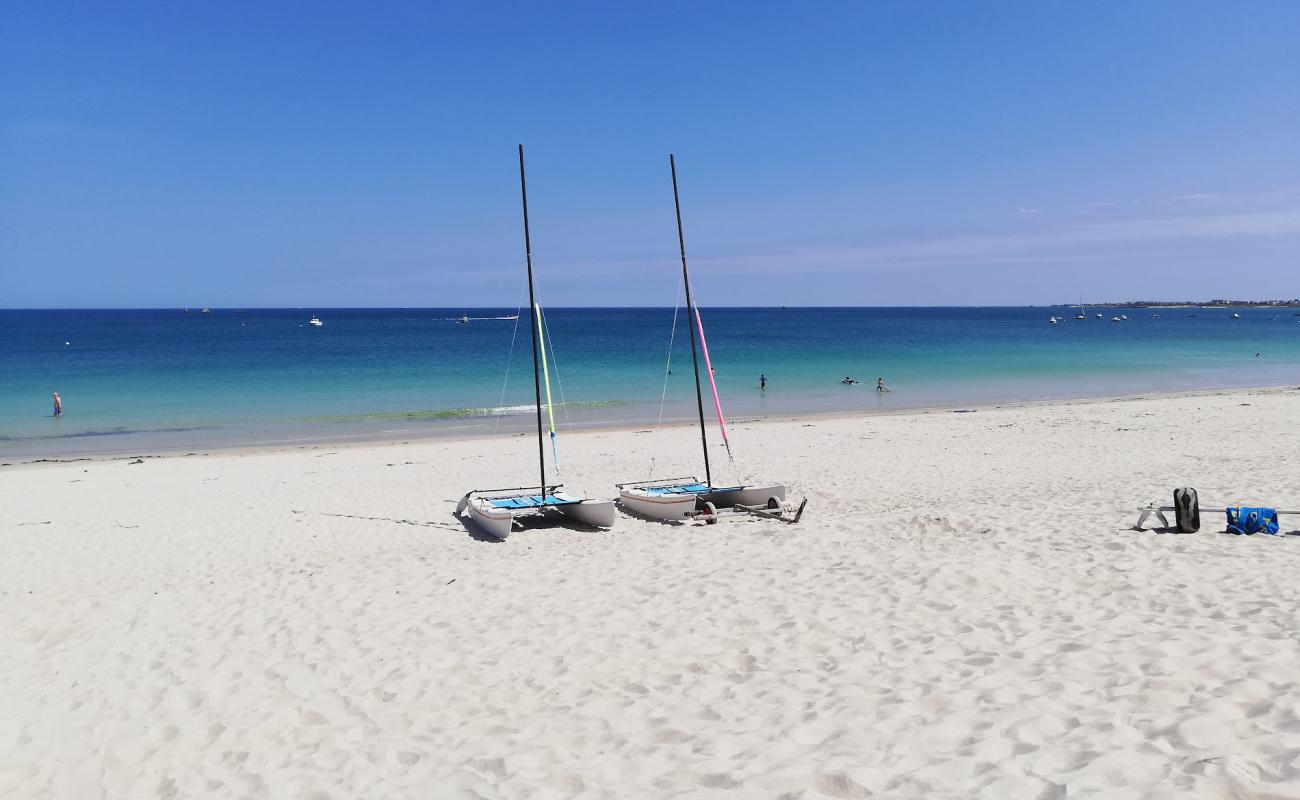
{"points": [[494, 510], [677, 498]]}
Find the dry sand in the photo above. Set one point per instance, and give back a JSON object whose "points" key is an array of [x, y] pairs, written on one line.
{"points": [[964, 611]]}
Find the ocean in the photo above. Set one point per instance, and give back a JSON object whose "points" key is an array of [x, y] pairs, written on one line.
{"points": [[137, 380]]}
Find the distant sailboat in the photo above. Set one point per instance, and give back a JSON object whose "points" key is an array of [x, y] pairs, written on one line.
{"points": [[494, 510]]}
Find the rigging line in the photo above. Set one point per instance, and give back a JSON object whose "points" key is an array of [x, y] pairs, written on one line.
{"points": [[555, 364], [668, 370], [501, 401], [546, 373]]}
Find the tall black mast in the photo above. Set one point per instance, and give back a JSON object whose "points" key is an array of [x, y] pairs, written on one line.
{"points": [[532, 315], [690, 324]]}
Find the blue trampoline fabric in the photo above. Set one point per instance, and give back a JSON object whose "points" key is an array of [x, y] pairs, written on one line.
{"points": [[530, 501], [683, 488]]}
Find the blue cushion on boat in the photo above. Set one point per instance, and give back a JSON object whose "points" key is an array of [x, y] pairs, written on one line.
{"points": [[681, 488], [531, 501]]}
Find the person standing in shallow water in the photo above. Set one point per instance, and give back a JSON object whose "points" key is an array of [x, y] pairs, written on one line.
{"points": [[762, 381], [58, 405]]}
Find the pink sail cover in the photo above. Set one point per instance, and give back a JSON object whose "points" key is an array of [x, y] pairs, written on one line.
{"points": [[708, 365]]}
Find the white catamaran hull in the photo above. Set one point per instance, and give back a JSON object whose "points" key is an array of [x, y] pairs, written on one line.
{"points": [[597, 513], [658, 506], [495, 522], [744, 495]]}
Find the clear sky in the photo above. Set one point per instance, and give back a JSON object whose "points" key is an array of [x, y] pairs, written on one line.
{"points": [[320, 154]]}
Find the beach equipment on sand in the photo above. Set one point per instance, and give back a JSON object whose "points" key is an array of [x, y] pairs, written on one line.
{"points": [[1187, 510], [679, 498], [772, 509], [1187, 515], [495, 510], [1243, 520]]}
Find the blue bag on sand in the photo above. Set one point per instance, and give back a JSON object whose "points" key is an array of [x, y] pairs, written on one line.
{"points": [[1251, 520]]}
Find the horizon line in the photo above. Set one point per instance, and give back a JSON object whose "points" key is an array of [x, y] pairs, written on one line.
{"points": [[198, 309]]}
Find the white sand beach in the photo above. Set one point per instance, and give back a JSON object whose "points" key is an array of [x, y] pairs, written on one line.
{"points": [[965, 611]]}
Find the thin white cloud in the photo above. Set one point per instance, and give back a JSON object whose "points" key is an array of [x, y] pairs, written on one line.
{"points": [[1068, 242], [1031, 212]]}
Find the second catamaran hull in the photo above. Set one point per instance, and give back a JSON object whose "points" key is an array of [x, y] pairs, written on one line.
{"points": [[743, 495], [597, 513]]}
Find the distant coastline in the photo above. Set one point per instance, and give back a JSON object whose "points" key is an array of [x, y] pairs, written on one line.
{"points": [[1293, 303]]}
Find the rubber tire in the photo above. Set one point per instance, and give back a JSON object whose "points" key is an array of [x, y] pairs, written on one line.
{"points": [[710, 514]]}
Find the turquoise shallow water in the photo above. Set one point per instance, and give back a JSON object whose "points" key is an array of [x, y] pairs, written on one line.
{"points": [[164, 379]]}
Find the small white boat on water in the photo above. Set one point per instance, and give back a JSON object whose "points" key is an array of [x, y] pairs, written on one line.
{"points": [[494, 510], [1052, 320], [315, 322], [464, 319], [1116, 319], [1236, 316]]}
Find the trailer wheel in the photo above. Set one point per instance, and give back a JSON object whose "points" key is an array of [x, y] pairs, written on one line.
{"points": [[710, 514], [773, 504]]}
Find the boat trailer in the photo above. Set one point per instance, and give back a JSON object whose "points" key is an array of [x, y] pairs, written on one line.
{"points": [[772, 509]]}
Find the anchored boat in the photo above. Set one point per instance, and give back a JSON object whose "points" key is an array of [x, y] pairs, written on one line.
{"points": [[494, 510], [678, 498]]}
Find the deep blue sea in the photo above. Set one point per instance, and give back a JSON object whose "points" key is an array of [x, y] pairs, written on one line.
{"points": [[163, 379]]}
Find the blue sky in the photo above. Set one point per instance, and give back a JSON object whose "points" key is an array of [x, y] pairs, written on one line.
{"points": [[318, 154]]}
